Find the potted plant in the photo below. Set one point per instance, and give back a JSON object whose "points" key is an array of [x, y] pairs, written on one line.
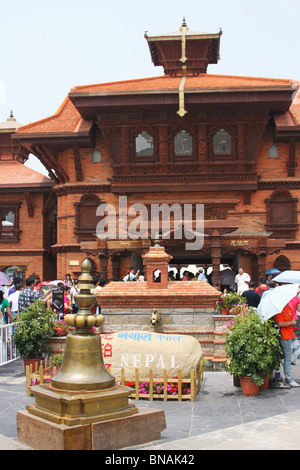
{"points": [[228, 300], [252, 349], [57, 341], [34, 326]]}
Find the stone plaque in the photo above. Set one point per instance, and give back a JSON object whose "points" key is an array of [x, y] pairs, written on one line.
{"points": [[146, 350]]}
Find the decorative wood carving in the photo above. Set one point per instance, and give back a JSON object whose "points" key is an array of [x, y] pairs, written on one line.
{"points": [[125, 145], [163, 144], [282, 263], [49, 157], [85, 217], [77, 163], [28, 198], [282, 214], [202, 143], [10, 233], [291, 163]]}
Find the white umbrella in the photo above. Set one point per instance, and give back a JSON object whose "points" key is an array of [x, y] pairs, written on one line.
{"points": [[276, 299], [4, 279], [292, 277]]}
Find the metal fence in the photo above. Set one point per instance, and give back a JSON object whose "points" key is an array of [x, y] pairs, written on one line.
{"points": [[8, 350]]}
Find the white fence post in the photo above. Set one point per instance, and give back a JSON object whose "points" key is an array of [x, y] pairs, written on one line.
{"points": [[8, 351]]}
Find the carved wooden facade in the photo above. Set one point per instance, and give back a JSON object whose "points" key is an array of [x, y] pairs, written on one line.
{"points": [[216, 153]]}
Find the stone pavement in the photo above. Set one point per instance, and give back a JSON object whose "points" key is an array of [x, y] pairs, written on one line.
{"points": [[220, 418]]}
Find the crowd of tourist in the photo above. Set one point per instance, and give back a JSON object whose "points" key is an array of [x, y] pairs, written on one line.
{"points": [[14, 298]]}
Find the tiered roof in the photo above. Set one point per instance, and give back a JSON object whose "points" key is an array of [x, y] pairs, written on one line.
{"points": [[67, 119]]}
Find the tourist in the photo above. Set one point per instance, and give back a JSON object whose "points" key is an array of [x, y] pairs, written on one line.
{"points": [[28, 295], [67, 300], [252, 297], [13, 300], [13, 287], [141, 277], [73, 291], [201, 276], [240, 280], [68, 280], [5, 312], [100, 283], [132, 275], [286, 323], [262, 286], [270, 286], [185, 276]]}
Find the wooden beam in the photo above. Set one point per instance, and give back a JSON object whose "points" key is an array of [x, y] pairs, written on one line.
{"points": [[30, 210], [77, 163]]}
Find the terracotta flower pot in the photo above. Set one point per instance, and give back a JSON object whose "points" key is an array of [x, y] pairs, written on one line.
{"points": [[225, 311], [249, 388], [265, 385], [35, 364]]}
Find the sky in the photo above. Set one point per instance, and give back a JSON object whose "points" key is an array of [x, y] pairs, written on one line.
{"points": [[47, 48]]}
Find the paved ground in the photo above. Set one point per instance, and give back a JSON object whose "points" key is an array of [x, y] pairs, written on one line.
{"points": [[220, 418]]}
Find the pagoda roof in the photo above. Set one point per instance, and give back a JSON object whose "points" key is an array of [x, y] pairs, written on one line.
{"points": [[10, 125], [15, 174], [203, 82], [68, 121], [290, 120]]}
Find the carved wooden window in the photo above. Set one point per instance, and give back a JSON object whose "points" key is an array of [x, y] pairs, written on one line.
{"points": [[9, 222], [282, 214], [222, 143], [282, 263], [85, 217], [144, 146], [96, 156], [183, 144], [273, 152]]}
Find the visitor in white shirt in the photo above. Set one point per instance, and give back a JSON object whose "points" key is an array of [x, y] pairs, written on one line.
{"points": [[14, 301], [240, 279]]}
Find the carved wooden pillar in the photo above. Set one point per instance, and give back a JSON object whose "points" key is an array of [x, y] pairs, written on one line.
{"points": [[261, 268], [115, 261], [163, 144], [103, 259], [216, 258], [202, 143], [291, 163], [241, 141], [125, 145]]}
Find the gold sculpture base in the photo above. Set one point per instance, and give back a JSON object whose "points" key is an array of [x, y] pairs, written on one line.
{"points": [[144, 426], [72, 409]]}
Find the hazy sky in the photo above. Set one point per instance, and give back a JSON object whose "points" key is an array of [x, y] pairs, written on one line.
{"points": [[49, 47]]}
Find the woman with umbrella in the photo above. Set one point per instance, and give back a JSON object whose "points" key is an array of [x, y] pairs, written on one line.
{"points": [[286, 322], [280, 304]]}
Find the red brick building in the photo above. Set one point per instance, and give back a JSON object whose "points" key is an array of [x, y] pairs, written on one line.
{"points": [[228, 142], [27, 206]]}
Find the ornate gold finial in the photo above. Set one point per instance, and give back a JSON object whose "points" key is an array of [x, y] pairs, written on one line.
{"points": [[84, 319], [83, 367]]}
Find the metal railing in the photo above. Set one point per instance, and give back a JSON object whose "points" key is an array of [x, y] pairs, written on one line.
{"points": [[8, 350]]}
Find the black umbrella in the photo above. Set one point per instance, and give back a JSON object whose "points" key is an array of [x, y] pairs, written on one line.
{"points": [[227, 277]]}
